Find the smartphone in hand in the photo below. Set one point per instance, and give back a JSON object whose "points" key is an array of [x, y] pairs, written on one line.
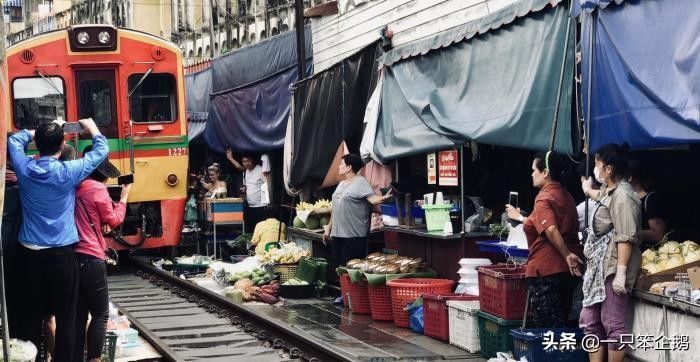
{"points": [[513, 199], [72, 127], [125, 180]]}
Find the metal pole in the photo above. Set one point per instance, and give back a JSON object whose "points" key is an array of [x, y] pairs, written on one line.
{"points": [[301, 39], [461, 186], [555, 122], [587, 115], [3, 301]]}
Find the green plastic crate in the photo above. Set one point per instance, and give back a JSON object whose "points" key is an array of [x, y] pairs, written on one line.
{"points": [[436, 216], [494, 334]]}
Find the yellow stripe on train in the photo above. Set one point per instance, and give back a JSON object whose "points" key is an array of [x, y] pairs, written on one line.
{"points": [[150, 177]]}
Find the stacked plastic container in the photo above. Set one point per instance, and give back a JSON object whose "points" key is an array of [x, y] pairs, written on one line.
{"points": [[469, 277], [502, 294]]}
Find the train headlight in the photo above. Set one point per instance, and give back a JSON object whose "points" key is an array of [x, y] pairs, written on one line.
{"points": [[171, 179], [83, 37], [103, 37]]}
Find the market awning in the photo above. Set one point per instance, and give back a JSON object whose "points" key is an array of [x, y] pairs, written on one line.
{"points": [[590, 5], [498, 88], [196, 123], [645, 73], [198, 88], [250, 98], [329, 109]]}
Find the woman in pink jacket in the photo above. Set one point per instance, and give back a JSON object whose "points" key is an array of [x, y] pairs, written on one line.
{"points": [[94, 212]]}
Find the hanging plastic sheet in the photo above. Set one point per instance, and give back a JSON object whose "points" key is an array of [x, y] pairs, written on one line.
{"points": [[250, 98], [329, 109], [198, 87], [498, 88], [645, 71]]}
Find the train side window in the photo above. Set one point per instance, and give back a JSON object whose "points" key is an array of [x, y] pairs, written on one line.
{"points": [[96, 101], [37, 100], [154, 100]]}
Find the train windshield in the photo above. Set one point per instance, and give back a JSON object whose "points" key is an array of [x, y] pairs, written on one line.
{"points": [[154, 100], [37, 101]]}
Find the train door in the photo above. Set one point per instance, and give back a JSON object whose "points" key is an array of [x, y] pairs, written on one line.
{"points": [[97, 98]]}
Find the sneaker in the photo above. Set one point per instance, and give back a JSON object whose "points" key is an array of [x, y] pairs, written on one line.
{"points": [[338, 301]]}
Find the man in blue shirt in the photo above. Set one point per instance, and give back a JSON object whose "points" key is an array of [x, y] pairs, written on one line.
{"points": [[47, 194]]}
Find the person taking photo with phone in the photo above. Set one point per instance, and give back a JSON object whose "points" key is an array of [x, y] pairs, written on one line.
{"points": [[552, 237], [95, 215], [48, 233]]}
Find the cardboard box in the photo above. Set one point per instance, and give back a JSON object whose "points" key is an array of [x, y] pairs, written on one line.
{"points": [[645, 282], [694, 275]]}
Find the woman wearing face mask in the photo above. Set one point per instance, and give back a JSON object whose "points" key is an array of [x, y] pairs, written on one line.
{"points": [[551, 231], [350, 215], [612, 252]]}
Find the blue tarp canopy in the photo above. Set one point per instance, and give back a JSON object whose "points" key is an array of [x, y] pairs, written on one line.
{"points": [[645, 74], [250, 96], [495, 81], [198, 87]]}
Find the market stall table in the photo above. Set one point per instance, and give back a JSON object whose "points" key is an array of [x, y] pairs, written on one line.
{"points": [[441, 252], [218, 212], [669, 323]]}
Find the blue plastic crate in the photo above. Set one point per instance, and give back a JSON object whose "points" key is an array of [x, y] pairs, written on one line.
{"points": [[528, 343]]}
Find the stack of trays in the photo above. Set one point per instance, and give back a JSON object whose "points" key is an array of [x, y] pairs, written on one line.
{"points": [[469, 278]]}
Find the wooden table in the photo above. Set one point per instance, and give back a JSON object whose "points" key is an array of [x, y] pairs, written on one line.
{"points": [[441, 252]]}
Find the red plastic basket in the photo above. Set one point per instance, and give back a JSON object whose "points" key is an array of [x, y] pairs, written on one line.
{"points": [[436, 316], [404, 291], [358, 298], [345, 288], [502, 291], [380, 302]]}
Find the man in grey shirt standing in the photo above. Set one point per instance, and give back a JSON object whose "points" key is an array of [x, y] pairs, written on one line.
{"points": [[350, 217]]}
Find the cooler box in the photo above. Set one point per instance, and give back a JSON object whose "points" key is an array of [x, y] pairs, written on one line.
{"points": [[224, 210]]}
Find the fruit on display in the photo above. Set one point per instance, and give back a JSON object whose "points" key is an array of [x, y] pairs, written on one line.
{"points": [[324, 220], [298, 223], [690, 251], [288, 253], [304, 206], [295, 281], [379, 263], [670, 254], [312, 223]]}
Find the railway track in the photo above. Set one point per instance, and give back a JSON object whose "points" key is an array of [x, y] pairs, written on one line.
{"points": [[185, 322]]}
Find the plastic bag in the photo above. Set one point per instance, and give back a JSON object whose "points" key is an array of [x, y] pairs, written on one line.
{"points": [[517, 238], [417, 322], [506, 357], [20, 351]]}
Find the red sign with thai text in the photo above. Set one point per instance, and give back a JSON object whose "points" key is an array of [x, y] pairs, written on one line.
{"points": [[448, 168]]}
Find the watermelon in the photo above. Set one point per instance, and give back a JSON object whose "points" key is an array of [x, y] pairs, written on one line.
{"points": [[298, 223], [325, 220], [312, 223]]}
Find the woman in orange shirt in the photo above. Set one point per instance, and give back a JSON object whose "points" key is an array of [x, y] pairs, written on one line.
{"points": [[552, 238]]}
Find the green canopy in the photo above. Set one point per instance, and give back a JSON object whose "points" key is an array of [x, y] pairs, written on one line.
{"points": [[494, 81]]}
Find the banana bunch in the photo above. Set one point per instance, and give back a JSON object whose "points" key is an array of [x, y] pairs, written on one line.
{"points": [[322, 204], [289, 253], [304, 206]]}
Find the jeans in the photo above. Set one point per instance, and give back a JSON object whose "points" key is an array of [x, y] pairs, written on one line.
{"points": [[93, 298], [550, 299], [346, 249], [51, 287]]}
